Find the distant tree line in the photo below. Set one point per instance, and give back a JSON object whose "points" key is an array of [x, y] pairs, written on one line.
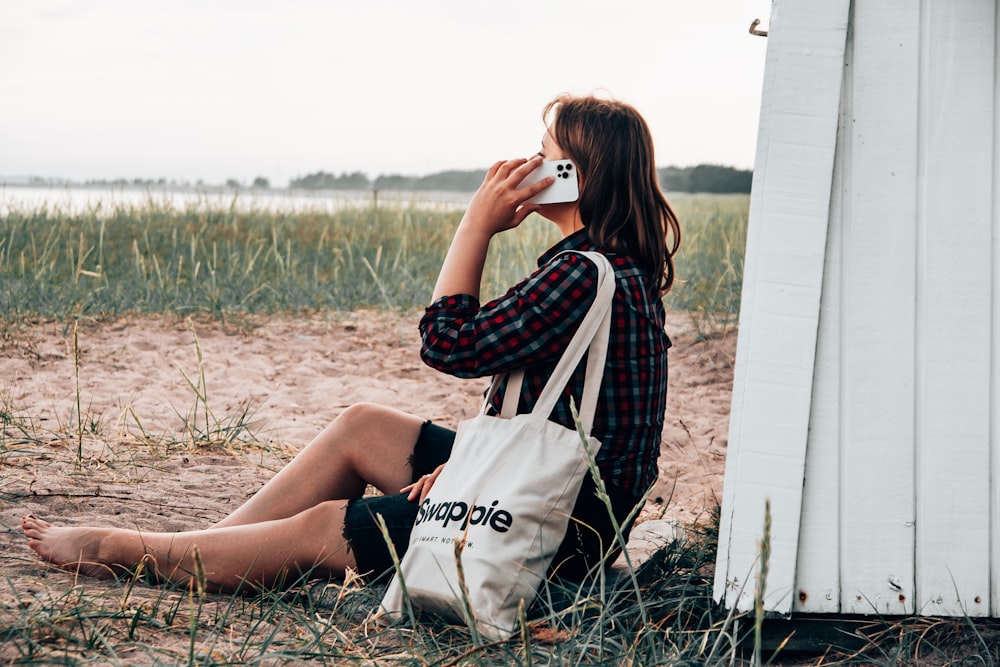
{"points": [[321, 180], [458, 181], [124, 182], [710, 178], [258, 183]]}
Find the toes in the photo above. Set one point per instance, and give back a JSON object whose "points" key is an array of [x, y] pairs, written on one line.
{"points": [[33, 526]]}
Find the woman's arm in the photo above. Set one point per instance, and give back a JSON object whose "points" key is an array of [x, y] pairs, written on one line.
{"points": [[497, 206], [527, 325]]}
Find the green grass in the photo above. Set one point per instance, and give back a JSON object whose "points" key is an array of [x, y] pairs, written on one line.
{"points": [[131, 623], [52, 618], [660, 614], [230, 262], [710, 262]]}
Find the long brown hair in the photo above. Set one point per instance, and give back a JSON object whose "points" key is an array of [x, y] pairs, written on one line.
{"points": [[621, 203]]}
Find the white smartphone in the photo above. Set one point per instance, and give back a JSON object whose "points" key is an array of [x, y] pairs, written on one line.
{"points": [[565, 188]]}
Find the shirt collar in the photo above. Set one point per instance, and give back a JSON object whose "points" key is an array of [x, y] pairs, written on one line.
{"points": [[578, 240]]}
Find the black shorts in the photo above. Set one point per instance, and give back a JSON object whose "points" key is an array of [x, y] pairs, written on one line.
{"points": [[590, 535]]}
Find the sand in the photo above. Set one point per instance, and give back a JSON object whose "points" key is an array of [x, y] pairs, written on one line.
{"points": [[291, 376]]}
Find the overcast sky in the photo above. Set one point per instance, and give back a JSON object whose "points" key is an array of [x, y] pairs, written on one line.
{"points": [[217, 89]]}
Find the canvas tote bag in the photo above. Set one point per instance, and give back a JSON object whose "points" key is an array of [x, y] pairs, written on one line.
{"points": [[505, 495]]}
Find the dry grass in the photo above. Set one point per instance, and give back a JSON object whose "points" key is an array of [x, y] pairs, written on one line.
{"points": [[231, 265], [661, 613]]}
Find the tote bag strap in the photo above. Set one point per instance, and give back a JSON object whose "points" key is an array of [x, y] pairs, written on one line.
{"points": [[593, 334]]}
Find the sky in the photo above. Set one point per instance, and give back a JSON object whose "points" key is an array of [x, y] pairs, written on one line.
{"points": [[221, 89]]}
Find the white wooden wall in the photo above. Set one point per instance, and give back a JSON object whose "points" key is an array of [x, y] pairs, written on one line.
{"points": [[867, 392]]}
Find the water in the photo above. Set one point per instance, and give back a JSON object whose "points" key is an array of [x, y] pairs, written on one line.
{"points": [[105, 200]]}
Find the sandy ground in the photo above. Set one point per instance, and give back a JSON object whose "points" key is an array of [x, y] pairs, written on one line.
{"points": [[293, 375]]}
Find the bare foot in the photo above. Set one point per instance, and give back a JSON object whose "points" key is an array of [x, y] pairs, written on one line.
{"points": [[75, 549]]}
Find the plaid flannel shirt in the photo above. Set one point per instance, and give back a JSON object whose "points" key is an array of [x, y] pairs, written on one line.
{"points": [[529, 327]]}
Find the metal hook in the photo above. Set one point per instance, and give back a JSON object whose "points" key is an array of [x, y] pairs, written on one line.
{"points": [[754, 31]]}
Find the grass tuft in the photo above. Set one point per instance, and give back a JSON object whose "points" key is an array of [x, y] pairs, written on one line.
{"points": [[230, 262]]}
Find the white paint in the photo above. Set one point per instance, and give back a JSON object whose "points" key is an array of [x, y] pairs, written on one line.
{"points": [[898, 510], [817, 586], [953, 308], [877, 307], [783, 275], [994, 467]]}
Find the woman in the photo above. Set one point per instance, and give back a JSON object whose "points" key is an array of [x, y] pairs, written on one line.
{"points": [[311, 518]]}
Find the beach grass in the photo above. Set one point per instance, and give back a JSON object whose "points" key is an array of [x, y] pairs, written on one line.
{"points": [[235, 265], [234, 262], [49, 616], [660, 613]]}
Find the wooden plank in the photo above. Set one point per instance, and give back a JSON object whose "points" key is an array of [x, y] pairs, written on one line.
{"points": [[782, 279], [877, 414], [995, 352], [745, 321], [954, 322], [759, 184], [817, 579]]}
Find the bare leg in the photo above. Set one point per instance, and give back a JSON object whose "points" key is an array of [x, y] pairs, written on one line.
{"points": [[265, 554], [365, 444], [294, 524]]}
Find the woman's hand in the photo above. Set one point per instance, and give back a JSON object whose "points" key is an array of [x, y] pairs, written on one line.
{"points": [[420, 488], [498, 204]]}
